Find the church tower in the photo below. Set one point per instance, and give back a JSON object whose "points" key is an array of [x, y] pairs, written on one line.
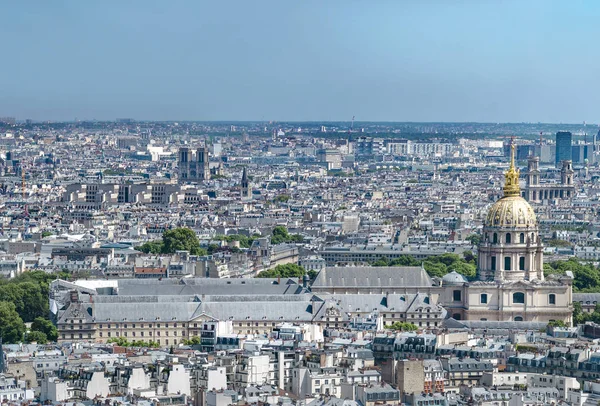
{"points": [[511, 247], [566, 173], [510, 284], [246, 191]]}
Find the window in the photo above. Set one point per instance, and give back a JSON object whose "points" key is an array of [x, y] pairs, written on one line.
{"points": [[495, 238], [457, 295], [522, 238], [483, 298], [521, 263], [552, 298], [507, 263], [508, 238], [493, 263], [518, 318], [518, 298]]}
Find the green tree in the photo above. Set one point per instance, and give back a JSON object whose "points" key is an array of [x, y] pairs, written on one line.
{"points": [[468, 270], [405, 260], [178, 239], [192, 341], [474, 239], [151, 247], [282, 198], [469, 257], [579, 316], [12, 327], [401, 326], [437, 269], [382, 262], [46, 234], [557, 323], [284, 271], [36, 337], [35, 304], [45, 326], [181, 239], [447, 259], [280, 235]]}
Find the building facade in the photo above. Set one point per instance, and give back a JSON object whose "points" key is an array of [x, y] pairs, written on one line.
{"points": [[510, 283], [537, 192], [564, 141], [193, 165]]}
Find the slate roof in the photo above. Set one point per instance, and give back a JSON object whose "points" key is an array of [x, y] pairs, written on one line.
{"points": [[221, 307], [368, 276]]}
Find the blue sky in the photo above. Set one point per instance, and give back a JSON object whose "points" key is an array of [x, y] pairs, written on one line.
{"points": [[397, 60]]}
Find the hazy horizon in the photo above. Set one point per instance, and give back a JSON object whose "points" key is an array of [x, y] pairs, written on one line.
{"points": [[383, 61]]}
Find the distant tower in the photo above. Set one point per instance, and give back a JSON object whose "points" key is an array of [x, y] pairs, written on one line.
{"points": [[533, 179], [533, 171], [202, 163], [246, 190], [184, 164], [566, 173], [564, 141]]}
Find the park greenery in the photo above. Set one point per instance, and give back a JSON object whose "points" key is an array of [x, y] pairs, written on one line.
{"points": [[177, 239], [557, 323], [123, 342], [192, 341], [24, 299], [586, 275], [283, 198], [439, 265], [287, 271], [280, 235], [401, 326], [184, 239], [474, 239]]}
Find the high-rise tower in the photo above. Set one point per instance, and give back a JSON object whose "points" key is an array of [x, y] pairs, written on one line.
{"points": [[564, 141]]}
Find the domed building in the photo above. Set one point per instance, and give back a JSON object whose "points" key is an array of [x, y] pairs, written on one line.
{"points": [[510, 283]]}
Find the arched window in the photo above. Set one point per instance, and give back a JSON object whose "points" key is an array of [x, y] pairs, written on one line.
{"points": [[518, 298], [522, 238], [518, 318], [483, 298], [495, 239], [552, 299], [508, 238]]}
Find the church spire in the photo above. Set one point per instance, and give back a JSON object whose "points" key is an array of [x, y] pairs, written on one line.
{"points": [[511, 177]]}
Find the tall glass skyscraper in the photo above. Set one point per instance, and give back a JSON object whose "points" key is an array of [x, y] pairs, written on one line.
{"points": [[564, 140]]}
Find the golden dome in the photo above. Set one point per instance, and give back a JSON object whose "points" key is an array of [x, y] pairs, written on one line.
{"points": [[511, 211]]}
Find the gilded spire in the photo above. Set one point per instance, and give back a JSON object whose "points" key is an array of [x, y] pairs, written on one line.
{"points": [[511, 177]]}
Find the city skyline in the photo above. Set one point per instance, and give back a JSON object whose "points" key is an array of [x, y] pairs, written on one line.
{"points": [[389, 61]]}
